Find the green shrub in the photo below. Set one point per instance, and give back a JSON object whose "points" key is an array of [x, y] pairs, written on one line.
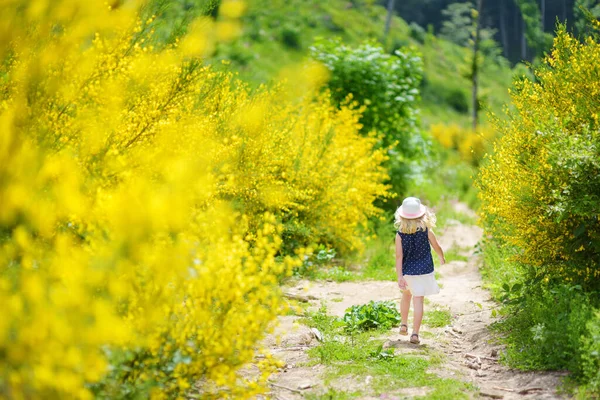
{"points": [[373, 315], [290, 37], [457, 99], [387, 86], [547, 326], [438, 91]]}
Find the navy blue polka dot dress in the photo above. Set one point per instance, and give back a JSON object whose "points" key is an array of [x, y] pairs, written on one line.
{"points": [[416, 253], [417, 263]]}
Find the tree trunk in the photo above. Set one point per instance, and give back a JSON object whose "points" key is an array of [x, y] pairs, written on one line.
{"points": [[475, 65], [523, 40], [503, 35], [388, 19], [543, 11]]}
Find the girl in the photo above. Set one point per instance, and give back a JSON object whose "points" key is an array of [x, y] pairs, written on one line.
{"points": [[414, 264]]}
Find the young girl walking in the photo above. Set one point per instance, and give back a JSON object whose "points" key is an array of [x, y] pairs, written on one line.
{"points": [[414, 264]]}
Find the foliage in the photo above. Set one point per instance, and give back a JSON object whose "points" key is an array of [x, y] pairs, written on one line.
{"points": [[171, 18], [259, 56], [324, 322], [373, 315], [537, 39], [585, 11], [417, 32], [457, 99], [459, 27], [540, 199], [546, 168], [290, 36], [496, 270], [151, 204], [590, 357], [314, 261], [386, 86], [470, 145], [458, 24], [549, 323]]}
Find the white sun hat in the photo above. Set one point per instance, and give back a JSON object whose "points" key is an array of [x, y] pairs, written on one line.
{"points": [[412, 208]]}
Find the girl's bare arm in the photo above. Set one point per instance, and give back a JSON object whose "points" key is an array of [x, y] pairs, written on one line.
{"points": [[436, 246], [401, 281]]}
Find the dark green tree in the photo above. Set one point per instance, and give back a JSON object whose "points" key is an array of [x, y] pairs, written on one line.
{"points": [[538, 40]]}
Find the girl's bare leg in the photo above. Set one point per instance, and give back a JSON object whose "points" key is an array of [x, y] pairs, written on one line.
{"points": [[405, 305], [418, 313]]}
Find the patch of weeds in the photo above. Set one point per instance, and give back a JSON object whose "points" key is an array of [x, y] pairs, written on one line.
{"points": [[337, 299], [496, 270], [326, 324], [437, 318], [343, 349]]}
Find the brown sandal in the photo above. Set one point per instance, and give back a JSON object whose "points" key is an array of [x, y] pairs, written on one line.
{"points": [[404, 331], [415, 340]]}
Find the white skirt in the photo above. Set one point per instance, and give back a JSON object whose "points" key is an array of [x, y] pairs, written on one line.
{"points": [[422, 285]]}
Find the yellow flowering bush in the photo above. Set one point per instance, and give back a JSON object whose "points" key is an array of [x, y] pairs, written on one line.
{"points": [[150, 205], [540, 190], [471, 146]]}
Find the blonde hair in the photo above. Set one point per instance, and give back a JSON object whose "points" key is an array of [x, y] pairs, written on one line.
{"points": [[406, 225]]}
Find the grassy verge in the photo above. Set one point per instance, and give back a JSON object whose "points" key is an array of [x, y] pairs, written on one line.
{"points": [[545, 325]]}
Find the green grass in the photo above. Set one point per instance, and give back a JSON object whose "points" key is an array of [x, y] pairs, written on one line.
{"points": [[437, 318], [335, 273], [361, 355], [496, 270], [455, 253], [381, 264]]}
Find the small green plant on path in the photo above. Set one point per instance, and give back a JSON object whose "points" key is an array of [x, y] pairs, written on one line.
{"points": [[374, 315]]}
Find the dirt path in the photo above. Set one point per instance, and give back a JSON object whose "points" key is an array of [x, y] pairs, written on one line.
{"points": [[470, 306]]}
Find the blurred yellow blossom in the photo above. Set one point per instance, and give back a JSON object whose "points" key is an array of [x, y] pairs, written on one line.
{"points": [[151, 205]]}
